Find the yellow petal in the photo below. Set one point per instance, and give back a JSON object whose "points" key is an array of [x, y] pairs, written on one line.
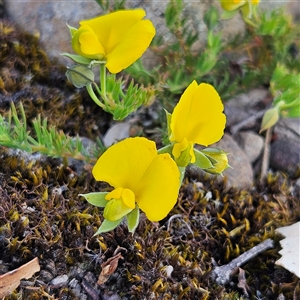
{"points": [[131, 46], [128, 198], [181, 113], [124, 36], [123, 164], [198, 116], [126, 195], [157, 191], [86, 44], [110, 28], [90, 44], [183, 153], [180, 147], [114, 194]]}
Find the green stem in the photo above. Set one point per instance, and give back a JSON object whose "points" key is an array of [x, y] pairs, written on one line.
{"points": [[182, 172], [93, 96], [282, 105], [165, 149], [103, 88], [103, 80]]}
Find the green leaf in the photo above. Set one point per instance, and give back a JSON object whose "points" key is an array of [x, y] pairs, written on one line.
{"points": [[270, 118], [97, 199], [133, 219], [202, 161], [293, 112], [73, 30], [121, 103], [78, 59], [108, 226], [80, 76]]}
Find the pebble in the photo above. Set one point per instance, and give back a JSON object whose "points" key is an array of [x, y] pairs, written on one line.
{"points": [[75, 287], [285, 156], [45, 276], [59, 281], [251, 143]]}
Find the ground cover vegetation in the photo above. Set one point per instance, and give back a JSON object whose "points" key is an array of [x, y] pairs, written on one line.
{"points": [[42, 214]]}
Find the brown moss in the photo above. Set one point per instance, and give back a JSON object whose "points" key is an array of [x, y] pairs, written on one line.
{"points": [[58, 226]]}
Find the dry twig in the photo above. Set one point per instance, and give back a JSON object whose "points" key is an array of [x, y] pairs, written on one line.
{"points": [[222, 274]]}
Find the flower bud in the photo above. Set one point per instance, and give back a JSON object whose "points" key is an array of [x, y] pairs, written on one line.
{"points": [[218, 158], [270, 118], [211, 18], [115, 209], [80, 76]]}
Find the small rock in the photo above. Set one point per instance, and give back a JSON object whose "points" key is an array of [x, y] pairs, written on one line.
{"points": [[45, 276], [251, 143], [249, 99], [75, 287], [26, 283], [241, 173], [27, 157], [73, 283], [50, 266], [117, 132], [242, 107], [236, 115], [77, 271], [285, 156], [288, 128], [59, 281], [79, 165]]}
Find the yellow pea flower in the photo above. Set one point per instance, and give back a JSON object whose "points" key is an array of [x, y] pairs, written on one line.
{"points": [[119, 38], [247, 8], [235, 4], [139, 176], [198, 118]]}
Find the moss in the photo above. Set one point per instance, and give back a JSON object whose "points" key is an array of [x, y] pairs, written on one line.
{"points": [[43, 216]]}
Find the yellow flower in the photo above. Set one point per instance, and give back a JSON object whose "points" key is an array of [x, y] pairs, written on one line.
{"points": [[247, 7], [139, 176], [197, 119], [230, 5], [119, 38]]}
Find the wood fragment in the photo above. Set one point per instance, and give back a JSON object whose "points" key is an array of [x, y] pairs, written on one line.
{"points": [[11, 280], [222, 274]]}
